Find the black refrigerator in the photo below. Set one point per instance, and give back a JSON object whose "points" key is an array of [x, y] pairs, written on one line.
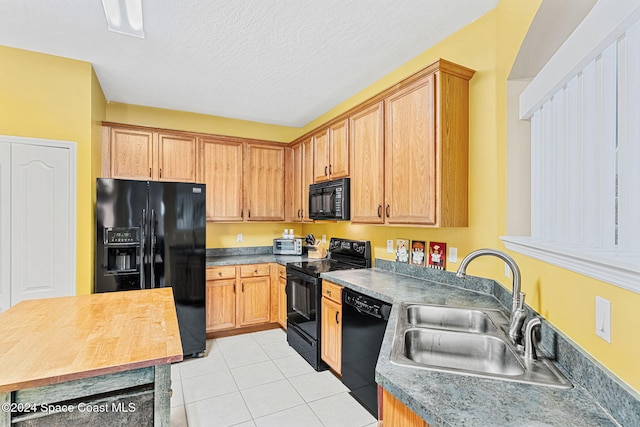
{"points": [[152, 235]]}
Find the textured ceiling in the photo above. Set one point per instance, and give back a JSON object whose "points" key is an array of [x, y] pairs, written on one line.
{"points": [[283, 62]]}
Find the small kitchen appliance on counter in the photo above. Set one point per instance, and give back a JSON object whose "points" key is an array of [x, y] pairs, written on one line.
{"points": [[304, 294], [287, 246]]}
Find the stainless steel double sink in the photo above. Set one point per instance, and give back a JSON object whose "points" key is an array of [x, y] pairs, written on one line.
{"points": [[466, 341]]}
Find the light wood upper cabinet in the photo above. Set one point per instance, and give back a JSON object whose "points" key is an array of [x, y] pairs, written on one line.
{"points": [[331, 152], [264, 183], [220, 168], [367, 153], [130, 153], [426, 148], [302, 177], [176, 158], [145, 154], [410, 155]]}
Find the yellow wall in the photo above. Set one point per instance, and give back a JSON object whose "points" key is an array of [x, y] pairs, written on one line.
{"points": [[180, 120], [566, 299], [44, 96]]}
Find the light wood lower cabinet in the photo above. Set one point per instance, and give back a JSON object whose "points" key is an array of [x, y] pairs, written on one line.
{"points": [[396, 414], [254, 301], [331, 325], [282, 296], [238, 296]]}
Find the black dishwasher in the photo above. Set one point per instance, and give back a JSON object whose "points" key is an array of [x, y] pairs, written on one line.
{"points": [[364, 320]]}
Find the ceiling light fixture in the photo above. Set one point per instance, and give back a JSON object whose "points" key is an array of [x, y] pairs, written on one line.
{"points": [[124, 17]]}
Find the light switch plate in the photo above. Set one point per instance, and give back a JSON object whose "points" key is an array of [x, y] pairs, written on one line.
{"points": [[603, 318], [239, 237], [389, 246], [453, 254], [324, 239]]}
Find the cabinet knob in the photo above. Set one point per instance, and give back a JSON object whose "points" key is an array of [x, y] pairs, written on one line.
{"points": [[219, 273], [328, 291], [255, 271]]}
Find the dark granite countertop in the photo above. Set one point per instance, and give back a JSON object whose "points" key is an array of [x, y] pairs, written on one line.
{"points": [[445, 399]]}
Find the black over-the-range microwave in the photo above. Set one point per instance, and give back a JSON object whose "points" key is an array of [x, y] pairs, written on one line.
{"points": [[330, 200]]}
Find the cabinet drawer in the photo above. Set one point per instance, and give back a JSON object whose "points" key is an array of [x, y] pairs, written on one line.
{"points": [[254, 270], [226, 272], [282, 271], [332, 291]]}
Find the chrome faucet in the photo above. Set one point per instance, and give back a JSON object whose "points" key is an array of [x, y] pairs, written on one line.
{"points": [[515, 319]]}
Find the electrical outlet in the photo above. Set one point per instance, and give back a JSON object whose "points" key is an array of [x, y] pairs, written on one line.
{"points": [[389, 246], [324, 239], [453, 254], [239, 237], [603, 319]]}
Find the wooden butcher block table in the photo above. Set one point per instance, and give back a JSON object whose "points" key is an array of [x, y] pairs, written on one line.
{"points": [[100, 359]]}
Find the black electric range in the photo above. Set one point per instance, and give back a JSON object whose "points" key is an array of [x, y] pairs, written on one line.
{"points": [[304, 294]]}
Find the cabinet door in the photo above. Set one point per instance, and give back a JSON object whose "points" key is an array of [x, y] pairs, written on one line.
{"points": [[339, 150], [307, 176], [176, 158], [410, 154], [367, 165], [282, 302], [321, 156], [221, 170], [331, 331], [396, 414], [254, 300], [265, 183], [131, 154], [221, 304], [296, 184]]}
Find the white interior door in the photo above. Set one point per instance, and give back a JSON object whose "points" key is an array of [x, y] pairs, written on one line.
{"points": [[5, 225], [42, 222]]}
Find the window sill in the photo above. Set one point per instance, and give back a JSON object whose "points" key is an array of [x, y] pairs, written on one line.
{"points": [[620, 269]]}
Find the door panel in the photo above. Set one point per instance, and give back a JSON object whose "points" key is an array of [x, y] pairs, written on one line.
{"points": [[42, 265], [5, 226]]}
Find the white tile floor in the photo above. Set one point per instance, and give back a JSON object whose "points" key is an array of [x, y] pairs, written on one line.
{"points": [[258, 380]]}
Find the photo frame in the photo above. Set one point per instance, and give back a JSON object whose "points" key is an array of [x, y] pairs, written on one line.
{"points": [[437, 255], [418, 252], [402, 250]]}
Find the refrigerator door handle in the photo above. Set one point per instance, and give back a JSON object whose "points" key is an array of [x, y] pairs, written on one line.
{"points": [[153, 249], [143, 222]]}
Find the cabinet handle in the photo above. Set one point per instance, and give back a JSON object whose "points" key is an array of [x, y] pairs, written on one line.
{"points": [[330, 170], [249, 213], [299, 213], [242, 213], [387, 210], [243, 287], [149, 172], [325, 170], [160, 172], [234, 288], [337, 321], [379, 211]]}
